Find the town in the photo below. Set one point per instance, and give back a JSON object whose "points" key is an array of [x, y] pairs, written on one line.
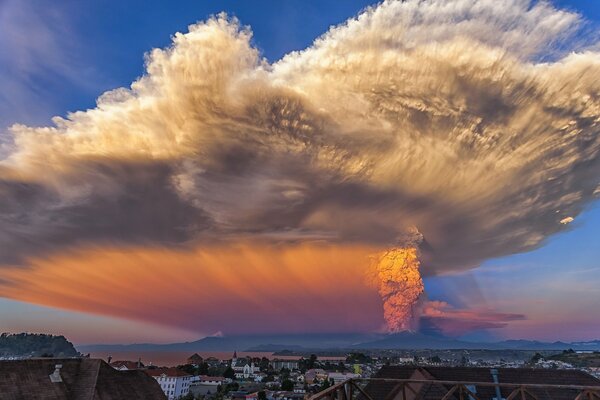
{"points": [[287, 377]]}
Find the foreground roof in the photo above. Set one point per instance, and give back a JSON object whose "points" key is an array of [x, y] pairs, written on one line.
{"points": [[80, 379], [389, 390]]}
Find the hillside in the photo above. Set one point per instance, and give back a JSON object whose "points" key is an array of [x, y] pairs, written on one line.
{"points": [[24, 345]]}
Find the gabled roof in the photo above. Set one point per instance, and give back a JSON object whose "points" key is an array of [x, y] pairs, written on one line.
{"points": [[82, 379], [195, 359], [127, 364], [385, 390]]}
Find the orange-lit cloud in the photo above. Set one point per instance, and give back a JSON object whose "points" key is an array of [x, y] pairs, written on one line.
{"points": [[243, 287], [430, 114]]}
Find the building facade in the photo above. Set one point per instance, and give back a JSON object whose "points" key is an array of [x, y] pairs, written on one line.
{"points": [[174, 382]]}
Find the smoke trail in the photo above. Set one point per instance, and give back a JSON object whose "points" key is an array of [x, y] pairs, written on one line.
{"points": [[400, 286]]}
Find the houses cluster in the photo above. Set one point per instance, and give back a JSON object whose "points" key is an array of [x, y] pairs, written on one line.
{"points": [[288, 378], [243, 378], [247, 378]]}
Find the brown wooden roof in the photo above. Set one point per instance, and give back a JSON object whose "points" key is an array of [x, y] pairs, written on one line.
{"points": [[82, 379], [385, 390]]}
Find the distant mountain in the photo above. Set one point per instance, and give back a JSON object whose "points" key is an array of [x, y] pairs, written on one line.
{"points": [[277, 347], [341, 341], [312, 341], [412, 341], [25, 345]]}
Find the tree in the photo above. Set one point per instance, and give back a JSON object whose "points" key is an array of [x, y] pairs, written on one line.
{"points": [[535, 358], [435, 359], [264, 364], [229, 373], [312, 361], [203, 368], [261, 395], [287, 385], [358, 358], [188, 368]]}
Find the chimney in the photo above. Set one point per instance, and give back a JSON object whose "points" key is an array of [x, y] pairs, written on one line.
{"points": [[109, 359], [139, 363], [494, 373], [55, 376]]}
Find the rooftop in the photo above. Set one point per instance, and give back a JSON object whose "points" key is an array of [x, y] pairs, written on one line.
{"points": [[73, 379], [456, 383]]}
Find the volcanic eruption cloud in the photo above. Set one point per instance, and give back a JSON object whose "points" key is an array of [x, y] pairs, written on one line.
{"points": [[435, 134]]}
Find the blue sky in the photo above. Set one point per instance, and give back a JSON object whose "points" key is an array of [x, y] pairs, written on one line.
{"points": [[75, 50]]}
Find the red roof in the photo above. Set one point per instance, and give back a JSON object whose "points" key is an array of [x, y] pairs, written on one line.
{"points": [[171, 372], [211, 378]]}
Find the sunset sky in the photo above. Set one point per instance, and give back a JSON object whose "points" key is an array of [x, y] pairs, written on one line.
{"points": [[169, 171]]}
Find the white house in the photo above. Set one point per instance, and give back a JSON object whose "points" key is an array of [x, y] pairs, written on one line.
{"points": [[278, 364], [209, 380], [339, 377], [174, 382]]}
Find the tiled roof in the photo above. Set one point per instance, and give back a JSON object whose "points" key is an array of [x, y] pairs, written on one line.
{"points": [[194, 358], [384, 391], [82, 379], [211, 378]]}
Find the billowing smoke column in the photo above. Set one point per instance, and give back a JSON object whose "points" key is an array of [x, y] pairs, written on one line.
{"points": [[400, 286], [474, 121]]}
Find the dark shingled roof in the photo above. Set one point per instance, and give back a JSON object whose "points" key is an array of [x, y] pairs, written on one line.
{"points": [[385, 391], [82, 379]]}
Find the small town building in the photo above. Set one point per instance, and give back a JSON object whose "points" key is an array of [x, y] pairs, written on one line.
{"points": [[127, 365], [195, 359], [244, 368], [315, 374], [278, 364], [174, 382], [339, 377]]}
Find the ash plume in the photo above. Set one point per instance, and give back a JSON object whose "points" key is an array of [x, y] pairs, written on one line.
{"points": [[472, 120], [400, 286]]}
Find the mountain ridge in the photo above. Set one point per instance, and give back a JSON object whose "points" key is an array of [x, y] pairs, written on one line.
{"points": [[341, 341]]}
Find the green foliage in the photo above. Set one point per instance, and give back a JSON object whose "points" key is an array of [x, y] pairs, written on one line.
{"points": [[229, 373], [35, 345], [287, 385], [435, 359], [535, 358], [358, 358], [190, 369], [264, 364], [203, 369], [326, 383]]}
